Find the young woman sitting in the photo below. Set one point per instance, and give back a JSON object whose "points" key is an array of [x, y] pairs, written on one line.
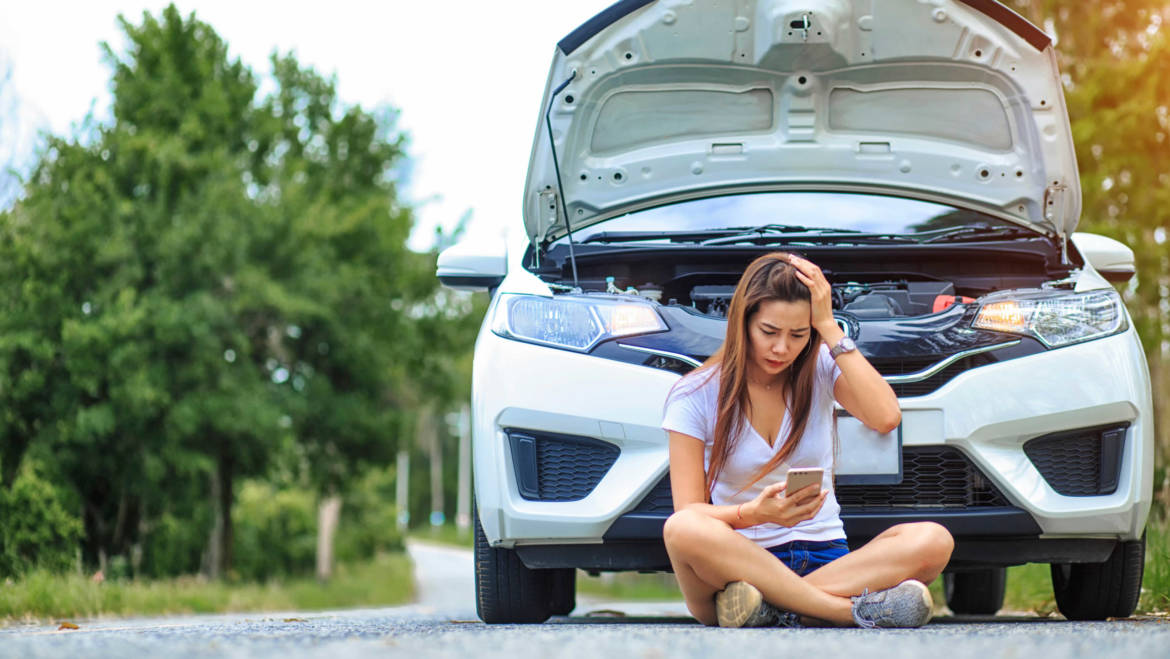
{"points": [[746, 552]]}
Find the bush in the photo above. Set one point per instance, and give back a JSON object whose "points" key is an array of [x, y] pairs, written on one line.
{"points": [[36, 529], [275, 532], [175, 544], [368, 523]]}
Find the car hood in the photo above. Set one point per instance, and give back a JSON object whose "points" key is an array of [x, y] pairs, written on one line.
{"points": [[658, 101]]}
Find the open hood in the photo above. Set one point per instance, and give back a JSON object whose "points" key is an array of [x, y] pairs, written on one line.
{"points": [[946, 100]]}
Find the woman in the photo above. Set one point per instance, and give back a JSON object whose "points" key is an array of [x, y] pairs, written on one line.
{"points": [[745, 552]]}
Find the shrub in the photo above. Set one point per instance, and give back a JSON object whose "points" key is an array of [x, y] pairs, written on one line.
{"points": [[368, 518], [36, 528], [275, 532]]}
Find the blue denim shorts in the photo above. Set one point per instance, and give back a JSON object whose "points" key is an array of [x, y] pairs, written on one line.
{"points": [[804, 556]]}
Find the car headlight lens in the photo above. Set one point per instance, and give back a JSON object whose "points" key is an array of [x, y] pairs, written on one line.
{"points": [[573, 323], [1056, 320]]}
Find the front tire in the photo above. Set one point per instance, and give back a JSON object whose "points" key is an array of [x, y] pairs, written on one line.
{"points": [[506, 590], [978, 592], [563, 591], [1095, 591]]}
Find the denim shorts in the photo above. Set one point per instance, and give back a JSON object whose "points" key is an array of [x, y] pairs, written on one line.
{"points": [[804, 556]]}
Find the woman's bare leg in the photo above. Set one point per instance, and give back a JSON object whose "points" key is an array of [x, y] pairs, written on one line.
{"points": [[707, 555], [905, 551]]}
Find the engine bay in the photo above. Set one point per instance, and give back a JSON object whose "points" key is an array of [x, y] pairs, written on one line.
{"points": [[867, 283]]}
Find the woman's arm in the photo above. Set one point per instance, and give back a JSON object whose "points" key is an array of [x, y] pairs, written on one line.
{"points": [[860, 389], [689, 489]]}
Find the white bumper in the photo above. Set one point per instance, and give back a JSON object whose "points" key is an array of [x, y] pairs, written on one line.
{"points": [[988, 412]]}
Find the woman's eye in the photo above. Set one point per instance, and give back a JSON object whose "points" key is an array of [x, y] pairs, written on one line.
{"points": [[767, 333]]}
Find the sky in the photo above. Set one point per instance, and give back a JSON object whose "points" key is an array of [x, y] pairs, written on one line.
{"points": [[467, 77]]}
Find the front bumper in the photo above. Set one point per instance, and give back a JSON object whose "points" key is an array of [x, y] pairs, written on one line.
{"points": [[987, 413]]}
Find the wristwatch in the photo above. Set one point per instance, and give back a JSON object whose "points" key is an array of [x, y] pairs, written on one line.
{"points": [[843, 346]]}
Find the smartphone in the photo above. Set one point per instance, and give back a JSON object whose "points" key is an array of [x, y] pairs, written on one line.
{"points": [[801, 477]]}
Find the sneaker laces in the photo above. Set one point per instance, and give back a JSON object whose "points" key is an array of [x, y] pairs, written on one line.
{"points": [[857, 617]]}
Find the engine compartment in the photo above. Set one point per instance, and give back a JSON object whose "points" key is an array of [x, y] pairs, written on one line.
{"points": [[868, 282]]}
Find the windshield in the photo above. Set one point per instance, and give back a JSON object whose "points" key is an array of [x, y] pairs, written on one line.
{"points": [[801, 211]]}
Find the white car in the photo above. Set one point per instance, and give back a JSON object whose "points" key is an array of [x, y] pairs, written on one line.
{"points": [[920, 153]]}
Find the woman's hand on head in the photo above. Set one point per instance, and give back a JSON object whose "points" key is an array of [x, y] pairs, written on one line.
{"points": [[820, 292], [771, 505]]}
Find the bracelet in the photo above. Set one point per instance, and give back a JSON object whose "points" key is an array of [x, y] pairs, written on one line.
{"points": [[739, 512]]}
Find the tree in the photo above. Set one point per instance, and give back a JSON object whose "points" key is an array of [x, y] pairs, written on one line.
{"points": [[212, 281], [1112, 55]]}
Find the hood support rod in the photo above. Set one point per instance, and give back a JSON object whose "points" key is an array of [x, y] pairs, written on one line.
{"points": [[557, 169]]}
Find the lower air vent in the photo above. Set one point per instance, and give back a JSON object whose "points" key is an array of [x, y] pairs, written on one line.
{"points": [[552, 467], [932, 477], [1080, 463]]}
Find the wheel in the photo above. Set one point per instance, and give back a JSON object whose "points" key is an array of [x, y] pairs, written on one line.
{"points": [[563, 591], [506, 590], [1095, 591], [978, 592]]}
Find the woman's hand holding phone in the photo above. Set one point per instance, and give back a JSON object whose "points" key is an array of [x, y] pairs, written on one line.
{"points": [[771, 505]]}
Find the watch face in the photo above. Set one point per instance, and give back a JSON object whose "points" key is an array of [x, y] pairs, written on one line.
{"points": [[843, 346]]}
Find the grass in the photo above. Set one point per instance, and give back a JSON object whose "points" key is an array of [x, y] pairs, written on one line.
{"points": [[40, 597], [658, 587]]}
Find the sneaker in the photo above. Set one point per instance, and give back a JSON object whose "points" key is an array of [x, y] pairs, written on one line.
{"points": [[906, 605], [740, 604]]}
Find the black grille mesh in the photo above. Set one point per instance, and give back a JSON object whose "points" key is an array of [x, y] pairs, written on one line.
{"points": [[932, 477], [1079, 463], [658, 500], [569, 469]]}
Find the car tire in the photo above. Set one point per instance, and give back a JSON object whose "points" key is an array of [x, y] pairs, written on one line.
{"points": [[1095, 591], [563, 591], [506, 590], [978, 592]]}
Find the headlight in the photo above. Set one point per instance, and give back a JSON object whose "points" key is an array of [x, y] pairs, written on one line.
{"points": [[572, 322], [1056, 320]]}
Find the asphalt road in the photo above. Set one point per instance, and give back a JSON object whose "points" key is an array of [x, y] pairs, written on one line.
{"points": [[443, 623]]}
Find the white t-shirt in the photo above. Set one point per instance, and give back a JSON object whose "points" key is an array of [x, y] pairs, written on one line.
{"points": [[691, 410]]}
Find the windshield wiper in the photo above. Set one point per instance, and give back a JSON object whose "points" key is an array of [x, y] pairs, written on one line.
{"points": [[691, 235], [767, 234], [980, 231]]}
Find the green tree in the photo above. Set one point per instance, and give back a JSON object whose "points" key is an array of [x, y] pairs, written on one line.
{"points": [[1113, 55], [209, 282]]}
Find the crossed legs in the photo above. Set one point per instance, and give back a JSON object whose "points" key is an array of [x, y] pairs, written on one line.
{"points": [[707, 554]]}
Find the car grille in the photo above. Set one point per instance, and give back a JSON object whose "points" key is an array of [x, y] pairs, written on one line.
{"points": [[552, 467], [1079, 463], [932, 477]]}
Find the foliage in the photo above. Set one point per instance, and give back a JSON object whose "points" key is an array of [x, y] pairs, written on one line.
{"points": [[368, 519], [213, 285], [275, 532], [43, 596], [36, 529]]}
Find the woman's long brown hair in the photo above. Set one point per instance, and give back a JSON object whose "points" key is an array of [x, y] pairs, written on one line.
{"points": [[769, 277]]}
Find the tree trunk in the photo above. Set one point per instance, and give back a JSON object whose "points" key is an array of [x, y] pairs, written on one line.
{"points": [[430, 427], [220, 544], [328, 516]]}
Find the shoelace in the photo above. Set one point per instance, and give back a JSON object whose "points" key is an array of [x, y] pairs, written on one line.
{"points": [[861, 622]]}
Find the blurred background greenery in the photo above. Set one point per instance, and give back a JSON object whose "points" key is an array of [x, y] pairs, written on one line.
{"points": [[214, 336]]}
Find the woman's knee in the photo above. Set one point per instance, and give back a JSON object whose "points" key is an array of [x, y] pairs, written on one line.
{"points": [[684, 529], [935, 544]]}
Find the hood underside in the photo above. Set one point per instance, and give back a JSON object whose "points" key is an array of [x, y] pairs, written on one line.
{"points": [[947, 100]]}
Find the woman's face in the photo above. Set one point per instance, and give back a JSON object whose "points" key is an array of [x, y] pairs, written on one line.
{"points": [[777, 333]]}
